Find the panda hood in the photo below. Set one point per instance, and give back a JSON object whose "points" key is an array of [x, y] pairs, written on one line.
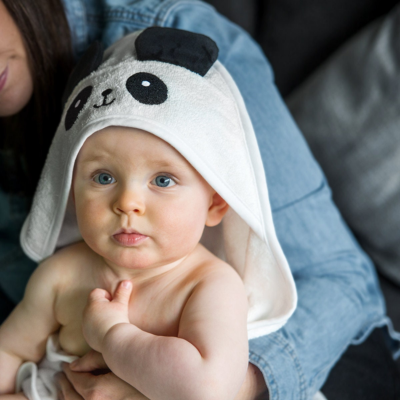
{"points": [[169, 82]]}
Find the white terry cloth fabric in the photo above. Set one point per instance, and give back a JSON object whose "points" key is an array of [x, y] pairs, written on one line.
{"points": [[204, 117], [37, 381]]}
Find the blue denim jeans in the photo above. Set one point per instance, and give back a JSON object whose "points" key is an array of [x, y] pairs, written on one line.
{"points": [[339, 298]]}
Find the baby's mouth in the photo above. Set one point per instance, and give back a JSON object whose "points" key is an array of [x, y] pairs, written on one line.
{"points": [[129, 237]]}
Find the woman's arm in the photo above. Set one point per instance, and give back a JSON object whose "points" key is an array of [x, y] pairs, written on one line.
{"points": [[77, 383], [74, 385], [208, 359]]}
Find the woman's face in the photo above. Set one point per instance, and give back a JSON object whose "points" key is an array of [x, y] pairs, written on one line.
{"points": [[16, 82]]}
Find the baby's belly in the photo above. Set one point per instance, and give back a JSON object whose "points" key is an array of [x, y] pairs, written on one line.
{"points": [[72, 341]]}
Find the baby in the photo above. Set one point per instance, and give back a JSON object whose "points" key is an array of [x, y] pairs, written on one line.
{"points": [[168, 315], [141, 209]]}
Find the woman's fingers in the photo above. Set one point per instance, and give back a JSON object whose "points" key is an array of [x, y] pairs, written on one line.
{"points": [[81, 385], [78, 380], [89, 362], [99, 387], [65, 390]]}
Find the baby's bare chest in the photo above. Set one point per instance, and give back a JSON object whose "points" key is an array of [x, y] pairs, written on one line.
{"points": [[155, 309]]}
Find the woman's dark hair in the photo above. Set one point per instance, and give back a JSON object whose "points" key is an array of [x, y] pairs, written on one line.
{"points": [[27, 135]]}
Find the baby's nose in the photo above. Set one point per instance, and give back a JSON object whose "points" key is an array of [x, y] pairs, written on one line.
{"points": [[129, 202]]}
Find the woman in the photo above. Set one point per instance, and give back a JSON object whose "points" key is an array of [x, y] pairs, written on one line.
{"points": [[335, 280], [35, 62]]}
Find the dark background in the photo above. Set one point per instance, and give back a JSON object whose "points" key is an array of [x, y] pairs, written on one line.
{"points": [[298, 35]]}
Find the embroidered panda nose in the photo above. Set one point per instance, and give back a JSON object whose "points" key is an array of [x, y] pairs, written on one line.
{"points": [[105, 94], [147, 88]]}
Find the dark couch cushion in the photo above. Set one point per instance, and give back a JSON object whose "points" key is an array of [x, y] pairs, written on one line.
{"points": [[298, 35]]}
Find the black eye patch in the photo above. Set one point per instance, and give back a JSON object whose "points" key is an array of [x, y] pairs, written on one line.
{"points": [[76, 107], [147, 88]]}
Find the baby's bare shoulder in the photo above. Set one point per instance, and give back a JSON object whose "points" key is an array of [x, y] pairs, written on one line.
{"points": [[65, 264], [218, 301], [214, 269], [73, 253], [54, 273]]}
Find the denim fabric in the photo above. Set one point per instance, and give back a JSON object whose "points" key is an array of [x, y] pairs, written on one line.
{"points": [[339, 299]]}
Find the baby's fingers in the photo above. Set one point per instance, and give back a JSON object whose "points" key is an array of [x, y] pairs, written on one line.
{"points": [[123, 292], [99, 295]]}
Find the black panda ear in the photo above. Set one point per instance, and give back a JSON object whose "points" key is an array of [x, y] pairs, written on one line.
{"points": [[175, 46], [88, 63]]}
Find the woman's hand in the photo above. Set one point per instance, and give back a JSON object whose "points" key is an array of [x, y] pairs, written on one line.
{"points": [[90, 362], [253, 387], [83, 385], [86, 386]]}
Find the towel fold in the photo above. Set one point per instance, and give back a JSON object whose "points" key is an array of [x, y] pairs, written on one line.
{"points": [[37, 380]]}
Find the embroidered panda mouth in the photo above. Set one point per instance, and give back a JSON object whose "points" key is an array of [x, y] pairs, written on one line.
{"points": [[105, 95]]}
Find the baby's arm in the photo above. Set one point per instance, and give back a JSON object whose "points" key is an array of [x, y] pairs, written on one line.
{"points": [[24, 333], [208, 359]]}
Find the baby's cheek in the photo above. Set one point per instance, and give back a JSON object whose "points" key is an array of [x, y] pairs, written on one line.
{"points": [[185, 224], [89, 214]]}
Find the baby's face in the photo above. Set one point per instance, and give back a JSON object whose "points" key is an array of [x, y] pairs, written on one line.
{"points": [[139, 203]]}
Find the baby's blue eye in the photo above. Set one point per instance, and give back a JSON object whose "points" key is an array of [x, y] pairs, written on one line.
{"points": [[104, 179], [163, 181]]}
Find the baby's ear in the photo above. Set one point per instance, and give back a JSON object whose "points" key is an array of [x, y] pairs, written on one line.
{"points": [[217, 210]]}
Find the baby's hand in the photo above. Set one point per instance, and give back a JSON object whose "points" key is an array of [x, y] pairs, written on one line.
{"points": [[103, 311]]}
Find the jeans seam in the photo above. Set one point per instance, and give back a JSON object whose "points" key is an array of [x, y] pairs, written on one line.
{"points": [[121, 14], [317, 190], [284, 345], [128, 17], [163, 15], [268, 374]]}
